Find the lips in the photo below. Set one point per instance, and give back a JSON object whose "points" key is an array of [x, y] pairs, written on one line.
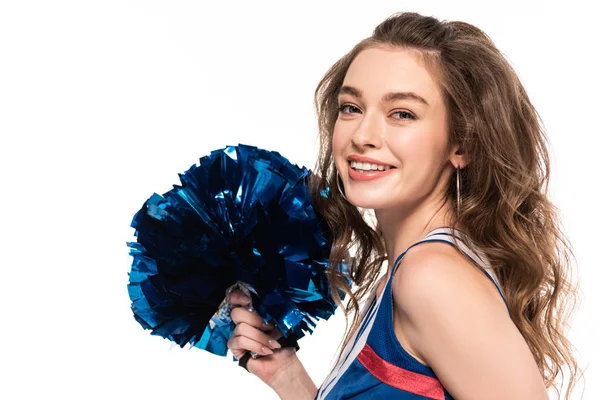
{"points": [[367, 176], [368, 160]]}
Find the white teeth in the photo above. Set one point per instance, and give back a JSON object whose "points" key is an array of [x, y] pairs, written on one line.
{"points": [[368, 167]]}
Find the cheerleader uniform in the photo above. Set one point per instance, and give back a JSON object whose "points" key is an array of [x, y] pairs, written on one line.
{"points": [[374, 365]]}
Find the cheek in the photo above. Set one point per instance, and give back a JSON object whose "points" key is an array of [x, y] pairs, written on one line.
{"points": [[338, 138], [338, 145], [406, 146], [415, 145]]}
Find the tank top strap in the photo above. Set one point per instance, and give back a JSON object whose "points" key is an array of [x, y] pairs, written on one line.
{"points": [[376, 344], [455, 238]]}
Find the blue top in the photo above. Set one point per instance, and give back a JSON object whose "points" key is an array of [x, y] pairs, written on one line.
{"points": [[374, 365]]}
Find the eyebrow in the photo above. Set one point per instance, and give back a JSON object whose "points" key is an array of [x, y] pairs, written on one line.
{"points": [[388, 97]]}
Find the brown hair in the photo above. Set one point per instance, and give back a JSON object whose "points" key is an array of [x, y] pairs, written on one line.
{"points": [[505, 211]]}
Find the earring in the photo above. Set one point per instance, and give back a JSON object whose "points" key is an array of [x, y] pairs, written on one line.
{"points": [[458, 189], [337, 180]]}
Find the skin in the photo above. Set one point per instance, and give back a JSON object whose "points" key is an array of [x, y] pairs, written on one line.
{"points": [[447, 313], [279, 368]]}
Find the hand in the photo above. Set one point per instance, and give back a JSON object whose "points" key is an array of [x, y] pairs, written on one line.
{"points": [[252, 334]]}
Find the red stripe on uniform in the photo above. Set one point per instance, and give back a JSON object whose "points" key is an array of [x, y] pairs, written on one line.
{"points": [[400, 378]]}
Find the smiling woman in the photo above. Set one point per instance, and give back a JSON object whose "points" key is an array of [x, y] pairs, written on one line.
{"points": [[409, 121], [475, 122], [427, 124]]}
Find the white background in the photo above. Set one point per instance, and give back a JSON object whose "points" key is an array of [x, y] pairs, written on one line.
{"points": [[103, 103]]}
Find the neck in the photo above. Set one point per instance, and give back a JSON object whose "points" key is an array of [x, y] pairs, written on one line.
{"points": [[403, 228]]}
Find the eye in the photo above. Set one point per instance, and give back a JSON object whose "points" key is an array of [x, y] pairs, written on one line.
{"points": [[406, 115], [350, 107], [344, 106]]}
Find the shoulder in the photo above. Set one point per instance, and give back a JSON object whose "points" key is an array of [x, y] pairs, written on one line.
{"points": [[439, 274], [455, 320]]}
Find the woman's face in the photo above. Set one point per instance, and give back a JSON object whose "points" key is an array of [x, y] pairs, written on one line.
{"points": [[392, 111]]}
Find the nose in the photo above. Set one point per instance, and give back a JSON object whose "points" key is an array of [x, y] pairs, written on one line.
{"points": [[367, 133]]}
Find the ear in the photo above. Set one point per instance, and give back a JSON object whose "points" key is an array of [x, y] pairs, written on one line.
{"points": [[457, 157]]}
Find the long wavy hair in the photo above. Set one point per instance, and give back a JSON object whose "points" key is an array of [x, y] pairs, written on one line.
{"points": [[505, 211]]}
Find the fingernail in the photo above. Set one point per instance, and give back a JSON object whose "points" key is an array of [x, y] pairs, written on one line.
{"points": [[266, 351], [274, 344]]}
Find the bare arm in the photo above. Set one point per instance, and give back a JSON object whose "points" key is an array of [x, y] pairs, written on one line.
{"points": [[293, 383], [279, 367], [460, 328]]}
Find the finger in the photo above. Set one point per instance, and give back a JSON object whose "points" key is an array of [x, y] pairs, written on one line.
{"points": [[241, 343], [238, 298], [274, 333], [241, 314], [267, 327], [243, 329], [236, 352]]}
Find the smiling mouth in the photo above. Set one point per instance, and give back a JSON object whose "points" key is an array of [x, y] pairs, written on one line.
{"points": [[368, 167]]}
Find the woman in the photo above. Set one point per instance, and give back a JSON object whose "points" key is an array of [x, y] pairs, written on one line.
{"points": [[426, 123]]}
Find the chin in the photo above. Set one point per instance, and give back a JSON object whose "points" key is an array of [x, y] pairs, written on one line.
{"points": [[364, 201]]}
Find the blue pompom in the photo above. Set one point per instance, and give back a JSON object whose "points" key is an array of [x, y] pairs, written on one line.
{"points": [[241, 219]]}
